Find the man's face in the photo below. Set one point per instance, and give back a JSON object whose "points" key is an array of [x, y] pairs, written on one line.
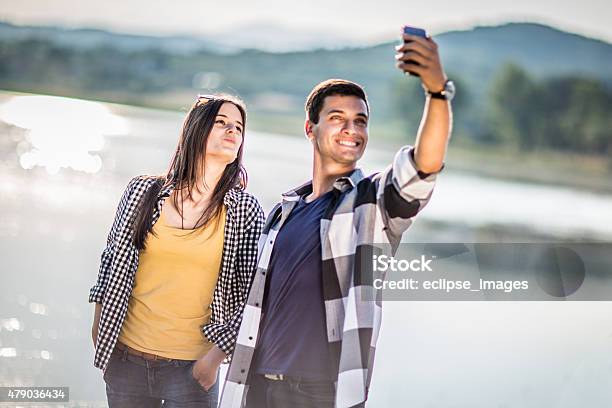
{"points": [[341, 135]]}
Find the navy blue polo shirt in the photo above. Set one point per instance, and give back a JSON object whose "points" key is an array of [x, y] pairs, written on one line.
{"points": [[293, 338]]}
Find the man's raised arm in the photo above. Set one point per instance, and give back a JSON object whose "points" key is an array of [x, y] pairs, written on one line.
{"points": [[435, 128]]}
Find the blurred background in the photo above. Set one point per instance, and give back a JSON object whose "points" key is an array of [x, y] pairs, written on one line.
{"points": [[94, 93]]}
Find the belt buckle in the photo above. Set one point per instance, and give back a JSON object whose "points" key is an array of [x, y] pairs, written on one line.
{"points": [[275, 377]]}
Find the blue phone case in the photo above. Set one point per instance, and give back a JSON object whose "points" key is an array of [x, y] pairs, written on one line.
{"points": [[415, 31]]}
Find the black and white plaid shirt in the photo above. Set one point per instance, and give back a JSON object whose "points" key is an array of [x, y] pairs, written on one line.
{"points": [[365, 211], [243, 224]]}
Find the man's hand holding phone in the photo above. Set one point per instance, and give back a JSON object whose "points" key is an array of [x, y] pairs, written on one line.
{"points": [[418, 55]]}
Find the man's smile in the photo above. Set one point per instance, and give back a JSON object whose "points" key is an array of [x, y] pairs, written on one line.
{"points": [[349, 142]]}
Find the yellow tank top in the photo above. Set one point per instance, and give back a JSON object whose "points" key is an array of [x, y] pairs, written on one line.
{"points": [[173, 290]]}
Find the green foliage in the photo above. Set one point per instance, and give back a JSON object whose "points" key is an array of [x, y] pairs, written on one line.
{"points": [[512, 95], [408, 99], [566, 113], [578, 115]]}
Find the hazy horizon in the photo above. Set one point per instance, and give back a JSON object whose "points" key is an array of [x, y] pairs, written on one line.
{"points": [[341, 19]]}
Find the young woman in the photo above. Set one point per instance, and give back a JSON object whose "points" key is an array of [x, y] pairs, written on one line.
{"points": [[177, 268]]}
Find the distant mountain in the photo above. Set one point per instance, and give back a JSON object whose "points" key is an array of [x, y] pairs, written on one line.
{"points": [[87, 38], [476, 55], [90, 61], [542, 50], [263, 36]]}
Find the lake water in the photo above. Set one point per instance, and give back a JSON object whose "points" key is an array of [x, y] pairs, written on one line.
{"points": [[60, 183]]}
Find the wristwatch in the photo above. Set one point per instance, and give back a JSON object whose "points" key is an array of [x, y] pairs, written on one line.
{"points": [[447, 94]]}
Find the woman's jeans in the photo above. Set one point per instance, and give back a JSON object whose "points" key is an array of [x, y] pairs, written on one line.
{"points": [[132, 381]]}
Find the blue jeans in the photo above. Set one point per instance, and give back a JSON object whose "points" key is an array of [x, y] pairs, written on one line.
{"points": [[289, 393], [132, 381]]}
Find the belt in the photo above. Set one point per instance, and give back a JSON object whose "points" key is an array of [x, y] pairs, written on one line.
{"points": [[276, 377], [283, 377], [134, 352]]}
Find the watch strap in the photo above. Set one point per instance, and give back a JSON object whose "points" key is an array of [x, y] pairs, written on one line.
{"points": [[437, 95]]}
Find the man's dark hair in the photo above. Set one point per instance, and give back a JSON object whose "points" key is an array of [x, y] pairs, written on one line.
{"points": [[331, 87]]}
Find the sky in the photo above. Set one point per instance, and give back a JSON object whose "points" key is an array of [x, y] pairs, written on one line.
{"points": [[357, 20]]}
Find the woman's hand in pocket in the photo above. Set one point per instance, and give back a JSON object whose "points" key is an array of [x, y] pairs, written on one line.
{"points": [[206, 368]]}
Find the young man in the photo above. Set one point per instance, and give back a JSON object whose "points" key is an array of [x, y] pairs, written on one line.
{"points": [[308, 336]]}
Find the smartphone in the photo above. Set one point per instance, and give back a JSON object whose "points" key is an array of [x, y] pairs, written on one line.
{"points": [[414, 31]]}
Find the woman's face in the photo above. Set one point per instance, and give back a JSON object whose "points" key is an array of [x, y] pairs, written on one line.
{"points": [[226, 135]]}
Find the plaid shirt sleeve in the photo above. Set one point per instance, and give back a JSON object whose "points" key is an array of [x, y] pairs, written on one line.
{"points": [[96, 293], [224, 335], [406, 191]]}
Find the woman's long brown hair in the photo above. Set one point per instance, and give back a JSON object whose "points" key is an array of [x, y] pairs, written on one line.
{"points": [[188, 163]]}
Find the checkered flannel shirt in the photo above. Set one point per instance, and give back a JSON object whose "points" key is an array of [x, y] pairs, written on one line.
{"points": [[376, 209], [119, 262]]}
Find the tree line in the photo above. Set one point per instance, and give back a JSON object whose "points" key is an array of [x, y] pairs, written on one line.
{"points": [[569, 113]]}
